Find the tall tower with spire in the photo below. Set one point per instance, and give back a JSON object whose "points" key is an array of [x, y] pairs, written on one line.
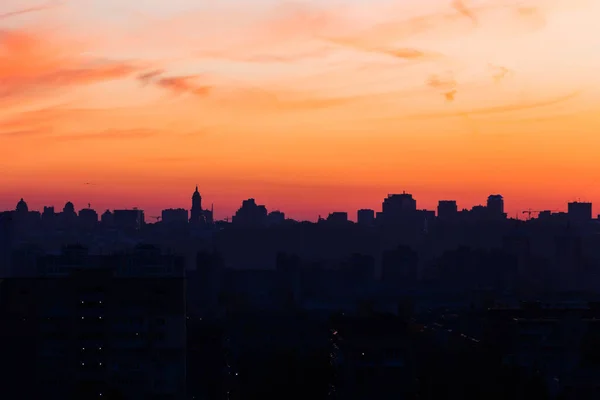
{"points": [[196, 213]]}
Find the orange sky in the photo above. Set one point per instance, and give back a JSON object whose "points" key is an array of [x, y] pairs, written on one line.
{"points": [[307, 106]]}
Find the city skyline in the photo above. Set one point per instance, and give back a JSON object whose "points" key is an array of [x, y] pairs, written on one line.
{"points": [[307, 106], [154, 215]]}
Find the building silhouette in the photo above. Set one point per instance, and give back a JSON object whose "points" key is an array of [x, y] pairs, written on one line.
{"points": [[129, 219], [447, 209], [199, 217], [365, 217], [250, 214], [93, 326], [495, 205], [174, 216], [276, 218], [580, 212], [88, 218]]}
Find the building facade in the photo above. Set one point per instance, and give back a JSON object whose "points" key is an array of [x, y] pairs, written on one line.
{"points": [[97, 326]]}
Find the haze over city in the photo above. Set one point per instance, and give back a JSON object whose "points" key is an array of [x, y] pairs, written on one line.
{"points": [[307, 106]]}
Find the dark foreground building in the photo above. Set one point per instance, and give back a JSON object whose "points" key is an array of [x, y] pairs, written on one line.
{"points": [[95, 326]]}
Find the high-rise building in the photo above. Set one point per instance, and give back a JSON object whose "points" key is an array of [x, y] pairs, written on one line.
{"points": [[580, 212], [128, 219], [250, 214], [174, 216], [365, 217], [447, 209], [495, 205], [398, 206], [96, 326]]}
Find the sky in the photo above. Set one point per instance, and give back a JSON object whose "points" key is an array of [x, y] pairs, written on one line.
{"points": [[307, 106]]}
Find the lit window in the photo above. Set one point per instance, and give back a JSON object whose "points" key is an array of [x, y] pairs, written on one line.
{"points": [[99, 317], [82, 317], [82, 363], [83, 348], [99, 348], [99, 363], [81, 301], [137, 334], [100, 302]]}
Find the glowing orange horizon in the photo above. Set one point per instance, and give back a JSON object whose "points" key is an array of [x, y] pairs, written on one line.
{"points": [[308, 107]]}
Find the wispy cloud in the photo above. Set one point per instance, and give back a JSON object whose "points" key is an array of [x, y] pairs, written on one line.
{"points": [[283, 56], [460, 6], [23, 134], [441, 82], [32, 62], [499, 109], [148, 77], [183, 84], [112, 134], [406, 53], [176, 84], [29, 10]]}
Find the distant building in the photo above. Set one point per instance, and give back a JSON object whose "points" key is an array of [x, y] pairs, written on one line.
{"points": [[250, 214], [365, 217], [88, 218], [338, 217], [580, 212], [399, 203], [107, 219], [128, 219], [545, 215], [398, 207], [199, 216], [49, 217], [96, 326], [22, 207], [447, 209], [276, 218], [68, 217], [174, 216], [495, 205]]}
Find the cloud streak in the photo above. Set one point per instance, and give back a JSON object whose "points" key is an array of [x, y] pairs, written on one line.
{"points": [[31, 63], [183, 85], [406, 53], [460, 6], [500, 109], [29, 10], [112, 134]]}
